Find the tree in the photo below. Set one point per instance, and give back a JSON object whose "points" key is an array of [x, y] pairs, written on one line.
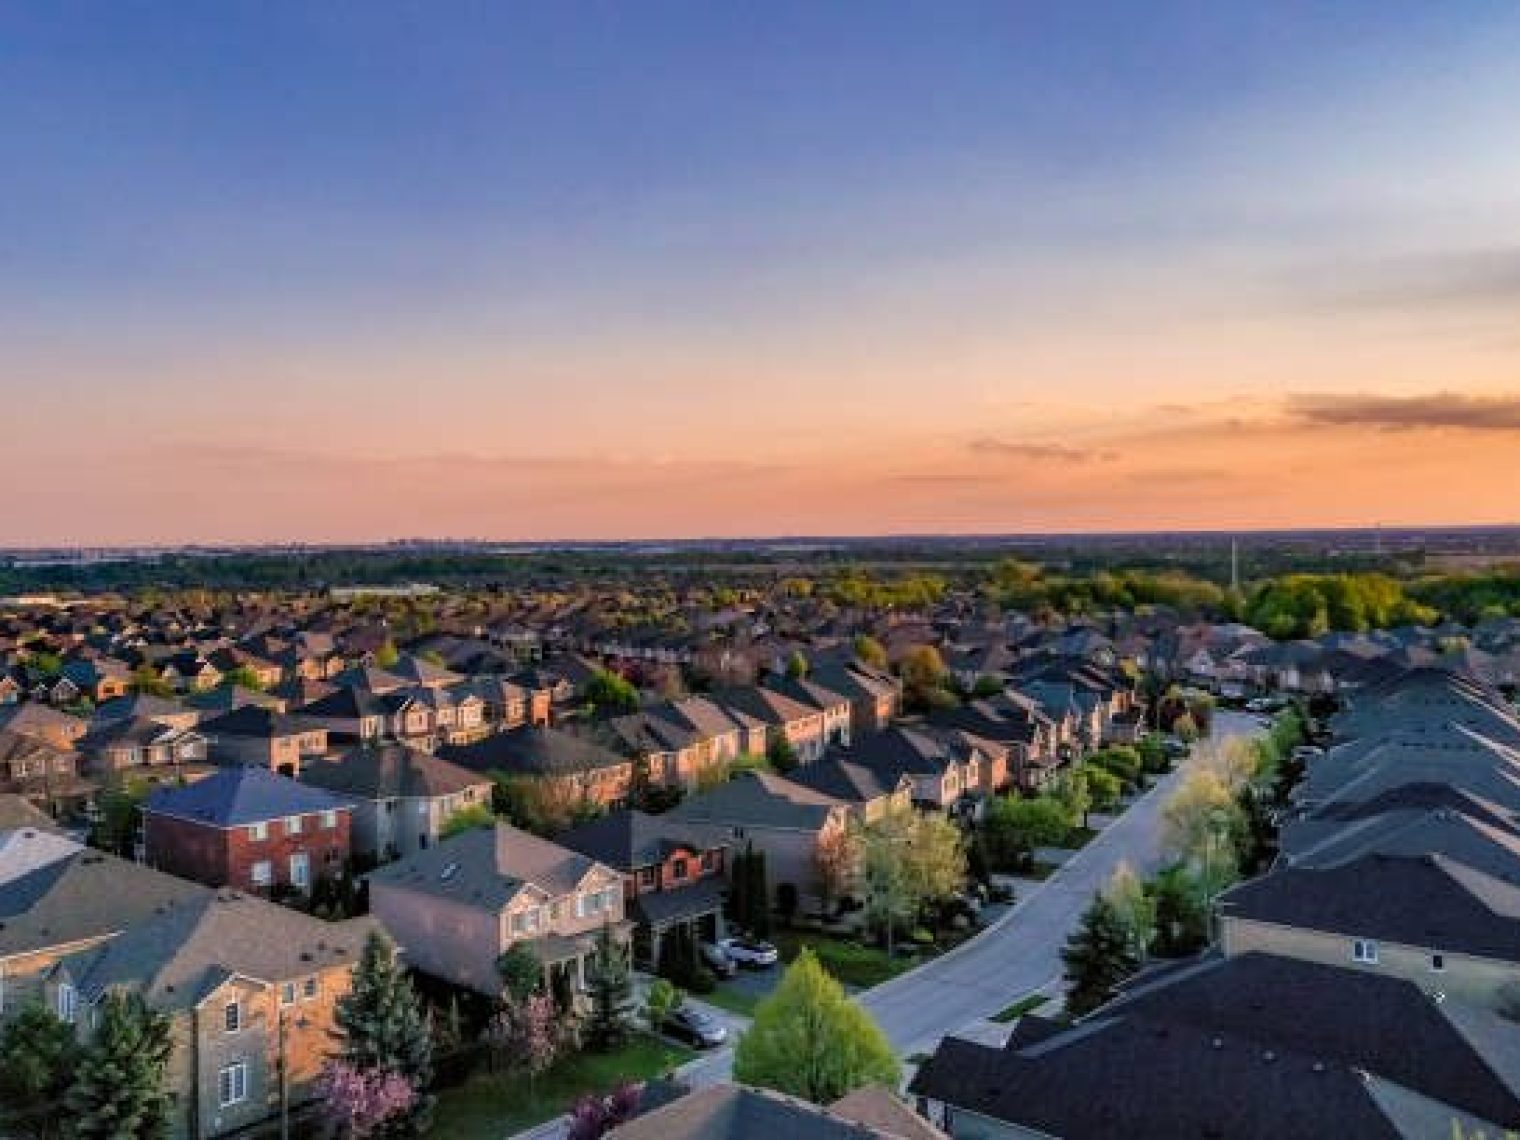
{"points": [[360, 1102], [1014, 827], [797, 665], [1098, 956], [387, 655], [809, 1040], [119, 816], [467, 818], [38, 1055], [1126, 893], [663, 999], [594, 1115], [149, 683], [528, 1035], [384, 1028], [1182, 919], [611, 992], [780, 754], [890, 895], [924, 675], [522, 974], [119, 1092], [837, 860], [870, 652], [1200, 826], [608, 694], [242, 677], [1071, 792], [1105, 787]]}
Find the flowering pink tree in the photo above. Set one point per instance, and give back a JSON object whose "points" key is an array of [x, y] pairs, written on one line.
{"points": [[528, 1034], [357, 1102], [594, 1116]]}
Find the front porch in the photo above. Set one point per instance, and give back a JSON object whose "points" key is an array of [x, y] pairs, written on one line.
{"points": [[697, 908]]}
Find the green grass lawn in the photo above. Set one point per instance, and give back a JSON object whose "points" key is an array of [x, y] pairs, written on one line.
{"points": [[850, 962], [1018, 1009], [734, 1000], [491, 1104]]}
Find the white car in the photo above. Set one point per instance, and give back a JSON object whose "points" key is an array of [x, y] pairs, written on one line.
{"points": [[750, 952]]}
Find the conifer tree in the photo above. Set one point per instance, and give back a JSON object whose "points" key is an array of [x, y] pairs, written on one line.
{"points": [[118, 1091], [385, 1029], [1098, 956], [611, 993]]}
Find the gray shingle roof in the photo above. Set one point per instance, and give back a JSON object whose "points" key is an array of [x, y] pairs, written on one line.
{"points": [[232, 797]]}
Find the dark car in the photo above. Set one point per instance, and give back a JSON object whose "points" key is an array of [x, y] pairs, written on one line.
{"points": [[697, 1027]]}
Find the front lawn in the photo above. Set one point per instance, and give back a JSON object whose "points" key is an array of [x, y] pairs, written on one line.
{"points": [[851, 963], [732, 998], [493, 1104], [1019, 1008]]}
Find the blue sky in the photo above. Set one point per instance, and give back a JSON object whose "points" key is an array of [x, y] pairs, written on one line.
{"points": [[656, 228]]}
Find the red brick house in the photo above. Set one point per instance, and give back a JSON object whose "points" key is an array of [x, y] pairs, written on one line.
{"points": [[247, 828]]}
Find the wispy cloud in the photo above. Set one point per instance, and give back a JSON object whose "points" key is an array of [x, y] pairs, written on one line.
{"points": [[1440, 410], [1042, 452], [1460, 279]]}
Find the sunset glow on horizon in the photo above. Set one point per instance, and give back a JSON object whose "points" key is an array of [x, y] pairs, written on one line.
{"points": [[280, 272]]}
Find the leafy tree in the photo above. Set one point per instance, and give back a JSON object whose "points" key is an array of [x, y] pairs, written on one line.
{"points": [[1120, 760], [1098, 956], [809, 1040], [387, 655], [870, 652], [149, 683], [779, 753], [1201, 825], [467, 818], [118, 816], [528, 1035], [797, 664], [924, 675], [662, 999], [361, 1102], [1182, 921], [1136, 909], [1105, 787], [611, 992], [608, 694], [119, 1091], [1013, 827], [242, 677], [988, 686], [1071, 791], [38, 1055], [680, 963], [758, 891], [522, 974], [384, 1028], [837, 861]]}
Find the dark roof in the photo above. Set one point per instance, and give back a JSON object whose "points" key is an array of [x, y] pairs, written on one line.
{"points": [[232, 797], [630, 839], [254, 721], [389, 771], [658, 908], [533, 751], [1429, 901], [759, 799], [734, 1112]]}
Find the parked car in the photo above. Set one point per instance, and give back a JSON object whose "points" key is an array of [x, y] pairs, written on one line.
{"points": [[716, 959], [1175, 747], [750, 952], [696, 1026]]}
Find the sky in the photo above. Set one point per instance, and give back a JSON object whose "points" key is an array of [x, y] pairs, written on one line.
{"points": [[355, 271]]}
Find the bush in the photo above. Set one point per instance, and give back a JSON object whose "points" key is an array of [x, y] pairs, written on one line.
{"points": [[921, 937]]}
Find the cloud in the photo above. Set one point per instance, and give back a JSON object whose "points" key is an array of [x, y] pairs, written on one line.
{"points": [[1042, 452], [1463, 279], [1449, 410]]}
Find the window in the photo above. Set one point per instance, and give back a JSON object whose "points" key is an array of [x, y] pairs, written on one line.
{"points": [[68, 1003], [647, 876], [262, 873], [678, 869], [525, 921], [1364, 950], [258, 832], [329, 820], [232, 1017], [300, 870], [310, 988], [292, 825], [709, 860], [1438, 962], [287, 993], [232, 1084]]}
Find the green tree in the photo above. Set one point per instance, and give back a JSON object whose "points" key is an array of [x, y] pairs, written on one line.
{"points": [[522, 974], [809, 1040], [149, 683], [608, 694], [384, 1028], [611, 992], [1098, 956], [797, 665], [1013, 827], [870, 652], [467, 818], [1136, 909], [1104, 787], [242, 677], [118, 817], [119, 1091], [779, 753], [38, 1055], [758, 892], [924, 677], [387, 655], [1182, 919], [1071, 791], [663, 999]]}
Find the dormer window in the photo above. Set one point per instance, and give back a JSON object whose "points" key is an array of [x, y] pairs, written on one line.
{"points": [[1364, 950]]}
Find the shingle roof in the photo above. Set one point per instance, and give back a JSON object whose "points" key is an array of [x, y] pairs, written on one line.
{"points": [[233, 797], [630, 839], [734, 1112], [390, 771], [759, 799], [533, 751]]}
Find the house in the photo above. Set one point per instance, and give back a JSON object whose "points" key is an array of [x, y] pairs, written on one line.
{"points": [[672, 877], [869, 790], [258, 736], [401, 798], [875, 695], [59, 729], [1446, 927], [809, 692], [145, 706], [127, 745], [1250, 1048], [99, 678], [350, 715], [774, 814], [46, 775], [681, 741], [571, 769], [456, 907], [737, 1112], [945, 769], [248, 828], [801, 725]]}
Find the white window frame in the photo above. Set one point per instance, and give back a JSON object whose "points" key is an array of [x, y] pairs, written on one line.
{"points": [[262, 878], [329, 820], [303, 860], [66, 1003], [232, 1017], [293, 825], [1365, 951], [287, 993], [232, 1084], [311, 988], [258, 832]]}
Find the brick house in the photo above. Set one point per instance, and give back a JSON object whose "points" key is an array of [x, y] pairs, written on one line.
{"points": [[258, 736], [248, 828]]}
